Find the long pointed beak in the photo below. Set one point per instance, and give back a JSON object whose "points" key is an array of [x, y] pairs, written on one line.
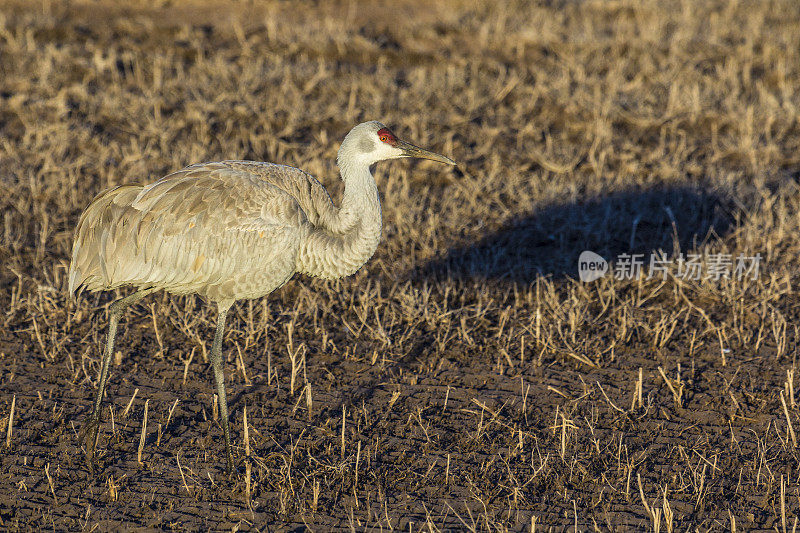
{"points": [[409, 150]]}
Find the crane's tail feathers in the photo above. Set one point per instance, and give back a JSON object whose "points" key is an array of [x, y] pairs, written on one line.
{"points": [[74, 283], [87, 270]]}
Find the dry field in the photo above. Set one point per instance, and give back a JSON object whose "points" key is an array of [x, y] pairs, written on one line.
{"points": [[464, 378]]}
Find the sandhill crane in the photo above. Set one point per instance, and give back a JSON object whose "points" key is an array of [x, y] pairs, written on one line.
{"points": [[230, 230]]}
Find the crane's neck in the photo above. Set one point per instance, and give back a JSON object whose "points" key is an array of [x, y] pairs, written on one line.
{"points": [[340, 245]]}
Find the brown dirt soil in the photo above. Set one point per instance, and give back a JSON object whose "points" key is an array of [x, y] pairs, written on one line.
{"points": [[464, 379]]}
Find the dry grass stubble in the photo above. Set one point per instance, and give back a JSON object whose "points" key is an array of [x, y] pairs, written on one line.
{"points": [[460, 379]]}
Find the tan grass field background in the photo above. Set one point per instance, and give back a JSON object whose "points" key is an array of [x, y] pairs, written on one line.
{"points": [[464, 378]]}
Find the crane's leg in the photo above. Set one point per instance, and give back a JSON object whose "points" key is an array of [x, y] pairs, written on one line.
{"points": [[93, 423], [219, 377]]}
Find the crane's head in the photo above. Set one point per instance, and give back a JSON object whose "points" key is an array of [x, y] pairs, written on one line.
{"points": [[371, 142]]}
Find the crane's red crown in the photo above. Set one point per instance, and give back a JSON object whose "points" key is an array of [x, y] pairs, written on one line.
{"points": [[386, 136]]}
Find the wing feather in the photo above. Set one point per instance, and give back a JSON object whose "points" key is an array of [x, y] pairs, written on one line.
{"points": [[210, 228]]}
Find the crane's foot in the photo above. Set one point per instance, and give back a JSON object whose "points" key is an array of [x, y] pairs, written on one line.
{"points": [[89, 435]]}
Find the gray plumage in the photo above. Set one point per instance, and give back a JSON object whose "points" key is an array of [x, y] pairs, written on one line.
{"points": [[231, 230]]}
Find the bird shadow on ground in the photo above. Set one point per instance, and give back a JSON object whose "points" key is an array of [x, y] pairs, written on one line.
{"points": [[549, 241]]}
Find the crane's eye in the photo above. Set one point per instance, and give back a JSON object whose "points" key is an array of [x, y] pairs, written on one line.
{"points": [[387, 137]]}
